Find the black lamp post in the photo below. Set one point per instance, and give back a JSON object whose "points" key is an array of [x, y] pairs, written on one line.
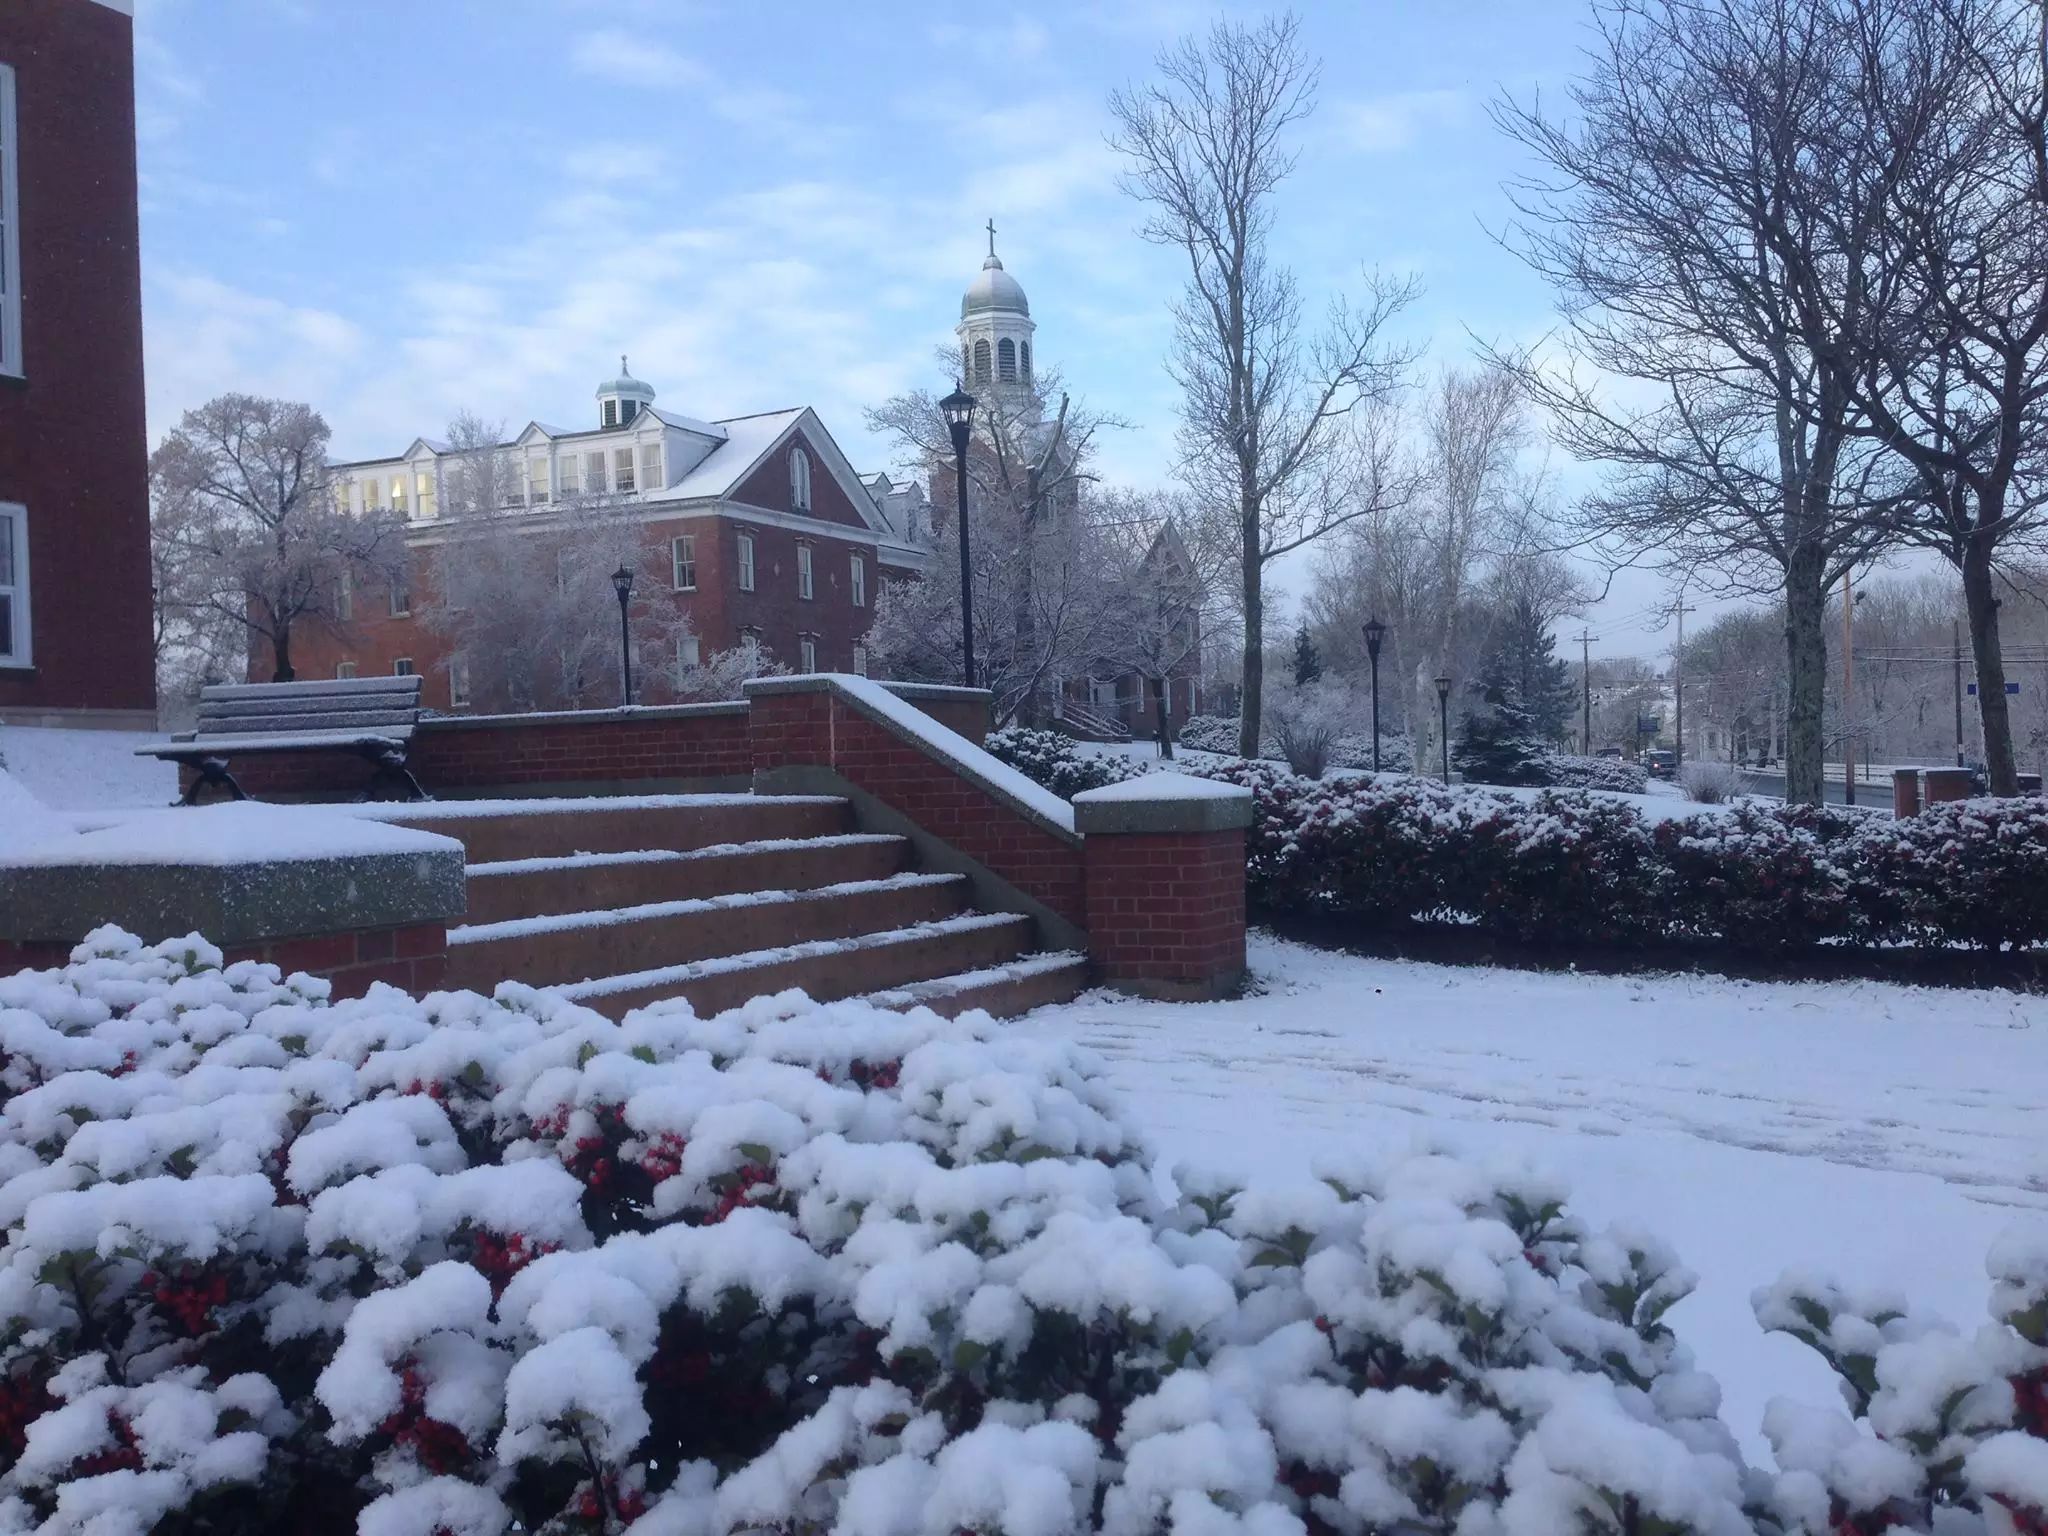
{"points": [[958, 409], [622, 583], [1375, 632], [1443, 710]]}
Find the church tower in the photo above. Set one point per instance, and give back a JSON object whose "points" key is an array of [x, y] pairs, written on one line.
{"points": [[995, 326]]}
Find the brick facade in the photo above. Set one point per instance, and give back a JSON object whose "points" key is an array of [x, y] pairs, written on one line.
{"points": [[73, 449], [414, 958], [1166, 910]]}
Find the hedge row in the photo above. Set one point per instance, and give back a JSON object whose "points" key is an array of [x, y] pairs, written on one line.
{"points": [[1566, 865], [1050, 759]]}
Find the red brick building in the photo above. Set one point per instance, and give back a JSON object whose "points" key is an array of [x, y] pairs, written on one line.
{"points": [[75, 632], [764, 531]]}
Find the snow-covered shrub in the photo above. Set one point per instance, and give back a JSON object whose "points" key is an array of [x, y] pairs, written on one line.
{"points": [[1351, 749], [1575, 867], [1354, 750], [1610, 773], [1048, 758], [1306, 723], [1710, 783], [476, 1265], [1210, 733], [1937, 1419]]}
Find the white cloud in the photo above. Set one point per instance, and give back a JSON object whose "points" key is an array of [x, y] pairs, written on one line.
{"points": [[1380, 124], [995, 41], [629, 58]]}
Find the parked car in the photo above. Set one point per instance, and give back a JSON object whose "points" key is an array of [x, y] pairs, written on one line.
{"points": [[1613, 752], [1662, 763]]}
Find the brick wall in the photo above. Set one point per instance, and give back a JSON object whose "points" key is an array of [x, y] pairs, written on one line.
{"points": [[1166, 910], [414, 957], [818, 728]]}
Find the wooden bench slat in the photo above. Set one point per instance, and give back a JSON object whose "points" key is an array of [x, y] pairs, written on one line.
{"points": [[310, 741], [356, 685], [257, 725], [285, 709]]}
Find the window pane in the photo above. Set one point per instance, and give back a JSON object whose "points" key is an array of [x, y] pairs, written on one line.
{"points": [[809, 651], [402, 667], [571, 481], [622, 469], [684, 552], [537, 479], [803, 570], [860, 582], [6, 551], [593, 473], [650, 466], [689, 650]]}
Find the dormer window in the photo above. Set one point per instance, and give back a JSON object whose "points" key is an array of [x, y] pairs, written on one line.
{"points": [[799, 480], [611, 413]]}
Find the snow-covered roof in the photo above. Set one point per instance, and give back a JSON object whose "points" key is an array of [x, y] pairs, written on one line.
{"points": [[747, 440]]}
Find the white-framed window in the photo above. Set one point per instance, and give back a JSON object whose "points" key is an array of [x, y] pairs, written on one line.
{"points": [[10, 230], [345, 595], [593, 472], [537, 480], [682, 553], [860, 661], [750, 640], [610, 416], [398, 498], [807, 654], [859, 585], [423, 485], [458, 682], [567, 481], [689, 651], [622, 469], [651, 476], [401, 595], [340, 490], [746, 542], [402, 667], [1006, 361], [799, 480], [345, 670], [15, 648], [805, 587]]}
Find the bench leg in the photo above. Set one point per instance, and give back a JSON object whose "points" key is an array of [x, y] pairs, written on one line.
{"points": [[212, 770], [392, 773]]}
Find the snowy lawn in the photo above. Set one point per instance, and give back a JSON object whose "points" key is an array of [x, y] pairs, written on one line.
{"points": [[73, 770], [1882, 1134]]}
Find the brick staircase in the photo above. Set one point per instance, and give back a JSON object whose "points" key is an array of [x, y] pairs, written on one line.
{"points": [[719, 898]]}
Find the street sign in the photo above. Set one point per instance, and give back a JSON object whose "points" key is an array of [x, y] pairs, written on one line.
{"points": [[1648, 725], [2009, 688]]}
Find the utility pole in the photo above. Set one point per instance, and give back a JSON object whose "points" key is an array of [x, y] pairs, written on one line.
{"points": [[1956, 631], [1586, 686], [1678, 685]]}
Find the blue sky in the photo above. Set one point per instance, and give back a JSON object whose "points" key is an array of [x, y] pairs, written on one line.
{"points": [[400, 210]]}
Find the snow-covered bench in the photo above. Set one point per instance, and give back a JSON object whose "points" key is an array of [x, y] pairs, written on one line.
{"points": [[373, 717]]}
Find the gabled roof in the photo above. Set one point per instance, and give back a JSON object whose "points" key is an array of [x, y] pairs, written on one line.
{"points": [[684, 423], [749, 441]]}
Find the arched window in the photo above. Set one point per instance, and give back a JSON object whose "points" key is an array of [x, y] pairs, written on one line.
{"points": [[1006, 361], [1024, 361], [981, 368], [799, 480]]}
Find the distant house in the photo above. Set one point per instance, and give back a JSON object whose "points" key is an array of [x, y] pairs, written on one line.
{"points": [[75, 622], [764, 530]]}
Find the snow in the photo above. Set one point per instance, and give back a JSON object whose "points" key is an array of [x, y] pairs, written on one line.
{"points": [[25, 821], [70, 769], [677, 855], [241, 832], [952, 747], [1166, 785], [1883, 1132], [525, 927]]}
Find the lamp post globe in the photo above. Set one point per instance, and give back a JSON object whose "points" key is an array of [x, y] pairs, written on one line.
{"points": [[1443, 710], [958, 409], [622, 583], [1375, 632]]}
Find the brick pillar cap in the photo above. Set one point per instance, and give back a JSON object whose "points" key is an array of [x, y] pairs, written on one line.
{"points": [[1162, 802]]}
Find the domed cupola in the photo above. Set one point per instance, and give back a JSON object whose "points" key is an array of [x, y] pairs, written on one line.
{"points": [[620, 400], [995, 326]]}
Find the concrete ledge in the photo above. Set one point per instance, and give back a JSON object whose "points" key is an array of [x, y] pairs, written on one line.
{"points": [[580, 716], [240, 874], [935, 691], [1145, 804]]}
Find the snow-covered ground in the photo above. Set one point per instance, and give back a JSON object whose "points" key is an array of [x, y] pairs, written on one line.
{"points": [[72, 770], [1884, 1134]]}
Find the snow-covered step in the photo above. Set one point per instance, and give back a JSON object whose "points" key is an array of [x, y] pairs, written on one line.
{"points": [[1006, 990], [826, 969], [494, 831], [574, 946], [590, 882]]}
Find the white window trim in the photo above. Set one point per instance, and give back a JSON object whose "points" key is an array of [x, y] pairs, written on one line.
{"points": [[807, 653], [17, 514], [10, 227], [407, 663], [689, 651], [675, 563], [858, 576], [746, 572], [860, 661], [458, 682], [806, 573], [344, 670], [799, 480]]}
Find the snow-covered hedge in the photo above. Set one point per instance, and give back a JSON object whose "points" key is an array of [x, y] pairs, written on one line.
{"points": [[471, 1266], [1218, 733], [1573, 867], [1050, 759], [1611, 773]]}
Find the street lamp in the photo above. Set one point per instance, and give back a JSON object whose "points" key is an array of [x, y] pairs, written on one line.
{"points": [[958, 409], [622, 583], [1375, 632], [1443, 710]]}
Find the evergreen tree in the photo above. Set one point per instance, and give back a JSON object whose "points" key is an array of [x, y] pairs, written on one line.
{"points": [[1498, 742], [1308, 661], [1524, 661]]}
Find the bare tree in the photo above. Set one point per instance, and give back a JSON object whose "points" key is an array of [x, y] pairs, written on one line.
{"points": [[1265, 404], [1711, 215], [479, 473], [1027, 468], [248, 530]]}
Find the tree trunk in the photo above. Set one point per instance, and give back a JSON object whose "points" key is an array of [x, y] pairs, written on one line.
{"points": [[1980, 603], [1254, 641], [1806, 665], [281, 655], [1160, 696], [1031, 708]]}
